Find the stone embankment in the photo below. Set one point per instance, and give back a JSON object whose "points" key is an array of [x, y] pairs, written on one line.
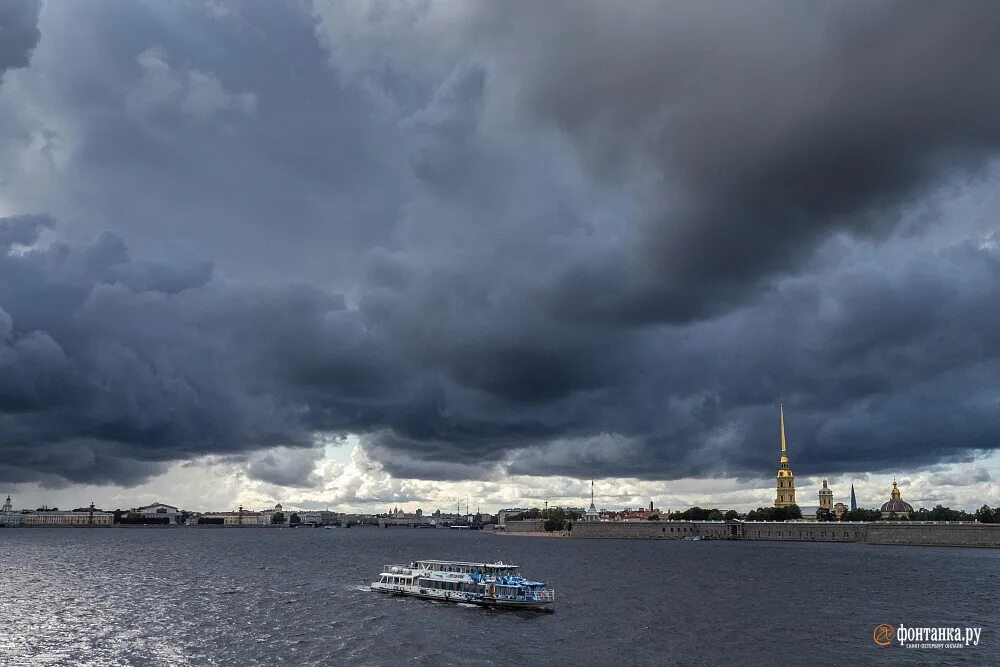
{"points": [[879, 532]]}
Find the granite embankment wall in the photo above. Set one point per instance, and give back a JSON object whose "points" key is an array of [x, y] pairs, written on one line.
{"points": [[529, 526], [820, 531], [946, 534], [895, 532], [639, 530]]}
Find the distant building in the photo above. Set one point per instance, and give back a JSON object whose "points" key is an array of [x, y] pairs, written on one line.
{"points": [[591, 514], [87, 517], [786, 480], [8, 517], [277, 511], [501, 515], [896, 508], [854, 500], [809, 512], [839, 510], [826, 497], [240, 517], [318, 517], [159, 510]]}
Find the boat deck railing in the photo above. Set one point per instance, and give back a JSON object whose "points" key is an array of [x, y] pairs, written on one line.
{"points": [[396, 569], [547, 595]]}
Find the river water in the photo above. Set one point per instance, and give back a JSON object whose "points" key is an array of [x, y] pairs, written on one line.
{"points": [[299, 597]]}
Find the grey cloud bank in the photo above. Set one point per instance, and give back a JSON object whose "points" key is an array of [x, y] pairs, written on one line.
{"points": [[539, 239]]}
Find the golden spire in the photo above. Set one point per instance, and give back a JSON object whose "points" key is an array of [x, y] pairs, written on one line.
{"points": [[786, 480], [781, 412]]}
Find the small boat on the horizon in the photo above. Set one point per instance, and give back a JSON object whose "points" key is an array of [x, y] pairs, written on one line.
{"points": [[486, 584]]}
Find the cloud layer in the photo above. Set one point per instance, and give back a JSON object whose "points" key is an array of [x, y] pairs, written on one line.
{"points": [[19, 33], [584, 240]]}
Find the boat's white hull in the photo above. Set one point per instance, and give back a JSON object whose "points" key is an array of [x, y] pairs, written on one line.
{"points": [[466, 598]]}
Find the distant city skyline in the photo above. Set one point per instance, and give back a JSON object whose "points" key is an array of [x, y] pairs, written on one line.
{"points": [[221, 486]]}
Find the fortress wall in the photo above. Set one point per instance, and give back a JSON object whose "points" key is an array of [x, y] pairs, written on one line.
{"points": [[711, 529], [825, 531], [638, 530], [527, 526], [944, 534], [896, 532]]}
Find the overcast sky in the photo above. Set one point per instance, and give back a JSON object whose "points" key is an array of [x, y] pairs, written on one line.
{"points": [[362, 254]]}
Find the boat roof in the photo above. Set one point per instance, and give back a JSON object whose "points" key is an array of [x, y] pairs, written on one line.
{"points": [[461, 562]]}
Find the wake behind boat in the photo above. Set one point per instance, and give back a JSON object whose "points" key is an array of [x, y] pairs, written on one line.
{"points": [[487, 584]]}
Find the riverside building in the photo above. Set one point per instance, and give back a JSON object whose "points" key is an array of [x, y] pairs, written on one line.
{"points": [[88, 517], [160, 511], [240, 517], [8, 517]]}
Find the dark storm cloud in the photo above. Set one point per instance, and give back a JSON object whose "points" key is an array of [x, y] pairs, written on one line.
{"points": [[19, 33], [286, 467], [591, 240], [218, 129], [880, 367], [762, 127], [111, 366]]}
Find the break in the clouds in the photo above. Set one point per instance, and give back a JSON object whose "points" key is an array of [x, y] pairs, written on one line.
{"points": [[560, 239]]}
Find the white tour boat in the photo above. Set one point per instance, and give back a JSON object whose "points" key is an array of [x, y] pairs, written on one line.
{"points": [[489, 584]]}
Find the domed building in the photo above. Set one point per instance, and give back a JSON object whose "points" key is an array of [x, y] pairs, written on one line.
{"points": [[896, 508]]}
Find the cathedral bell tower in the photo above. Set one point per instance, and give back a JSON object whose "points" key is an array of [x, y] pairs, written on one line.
{"points": [[786, 480], [826, 497]]}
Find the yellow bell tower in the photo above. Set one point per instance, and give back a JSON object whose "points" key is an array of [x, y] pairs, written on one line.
{"points": [[786, 480]]}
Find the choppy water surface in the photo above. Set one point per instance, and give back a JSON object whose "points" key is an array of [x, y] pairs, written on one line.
{"points": [[299, 597]]}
